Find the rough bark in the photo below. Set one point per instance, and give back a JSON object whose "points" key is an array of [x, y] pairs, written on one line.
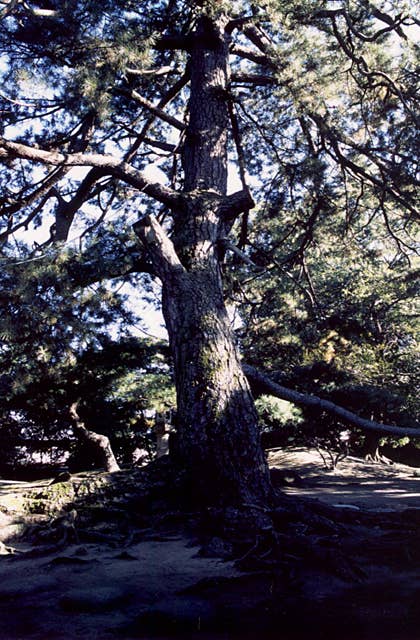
{"points": [[216, 420], [97, 441]]}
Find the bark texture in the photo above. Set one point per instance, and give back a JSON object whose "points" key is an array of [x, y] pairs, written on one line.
{"points": [[217, 424]]}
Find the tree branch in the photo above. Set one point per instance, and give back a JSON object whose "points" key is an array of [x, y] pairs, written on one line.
{"points": [[261, 382], [114, 260], [9, 206], [258, 38], [238, 23], [65, 212], [252, 78], [393, 25], [161, 71], [164, 146], [158, 245], [157, 111], [40, 13], [235, 204], [236, 134], [99, 441], [251, 54], [169, 95], [108, 163], [228, 246], [334, 137]]}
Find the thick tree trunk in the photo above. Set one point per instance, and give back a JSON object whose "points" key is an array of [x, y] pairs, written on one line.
{"points": [[217, 430]]}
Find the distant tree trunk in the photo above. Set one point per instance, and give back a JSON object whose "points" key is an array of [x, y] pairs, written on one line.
{"points": [[217, 428], [98, 443], [370, 449]]}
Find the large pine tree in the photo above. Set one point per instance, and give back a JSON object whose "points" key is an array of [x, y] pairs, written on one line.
{"points": [[312, 102]]}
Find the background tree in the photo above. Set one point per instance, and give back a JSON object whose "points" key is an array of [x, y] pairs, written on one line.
{"points": [[55, 350], [315, 104], [341, 321]]}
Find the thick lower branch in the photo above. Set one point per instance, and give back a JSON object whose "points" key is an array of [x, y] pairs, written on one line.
{"points": [[130, 259], [262, 384], [252, 78], [236, 203], [66, 211], [251, 54]]}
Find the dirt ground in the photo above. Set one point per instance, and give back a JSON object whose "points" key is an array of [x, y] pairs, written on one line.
{"points": [[162, 586], [354, 482]]}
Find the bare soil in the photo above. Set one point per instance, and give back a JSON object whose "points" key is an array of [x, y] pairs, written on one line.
{"points": [[378, 487], [357, 579]]}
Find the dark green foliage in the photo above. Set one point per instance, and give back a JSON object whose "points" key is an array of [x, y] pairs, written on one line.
{"points": [[341, 320], [55, 348]]}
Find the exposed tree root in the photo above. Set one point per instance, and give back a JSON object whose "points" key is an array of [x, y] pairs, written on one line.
{"points": [[292, 537]]}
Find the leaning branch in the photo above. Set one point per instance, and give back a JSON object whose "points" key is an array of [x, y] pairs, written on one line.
{"points": [[159, 144], [228, 246], [158, 245], [251, 54], [66, 211], [42, 193], [121, 262], [108, 163], [169, 95], [157, 111], [263, 384], [252, 78]]}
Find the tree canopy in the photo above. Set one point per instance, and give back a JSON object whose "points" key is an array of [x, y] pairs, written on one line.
{"points": [[262, 154]]}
